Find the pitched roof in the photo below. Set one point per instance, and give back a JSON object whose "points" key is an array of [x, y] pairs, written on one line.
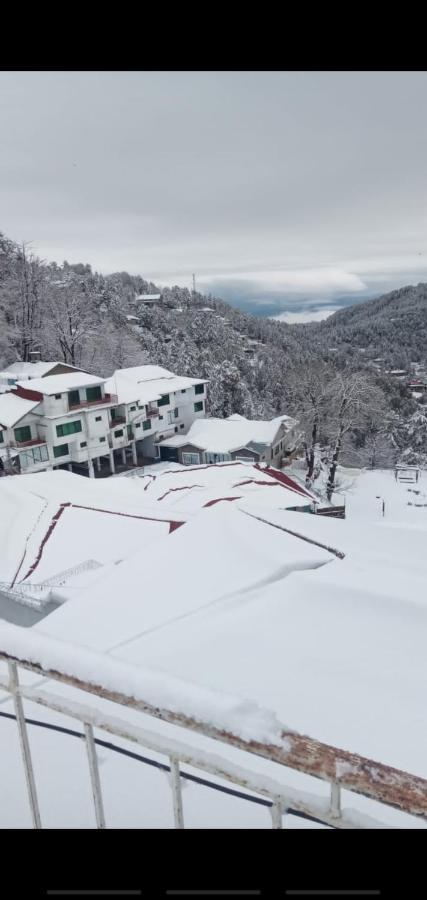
{"points": [[30, 370], [56, 384], [14, 408], [147, 383], [228, 435]]}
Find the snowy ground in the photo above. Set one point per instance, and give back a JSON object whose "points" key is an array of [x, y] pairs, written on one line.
{"points": [[335, 648]]}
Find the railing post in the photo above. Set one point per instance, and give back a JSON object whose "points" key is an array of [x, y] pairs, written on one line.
{"points": [[335, 807], [94, 776], [176, 793], [276, 815], [24, 744]]}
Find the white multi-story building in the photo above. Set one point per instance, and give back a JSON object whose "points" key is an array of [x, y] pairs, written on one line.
{"points": [[79, 418]]}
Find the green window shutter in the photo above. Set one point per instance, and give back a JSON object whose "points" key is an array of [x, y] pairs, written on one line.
{"points": [[164, 400], [68, 428], [93, 393], [23, 434], [119, 433], [199, 388], [175, 412], [146, 425], [73, 398], [61, 451], [129, 429], [198, 406]]}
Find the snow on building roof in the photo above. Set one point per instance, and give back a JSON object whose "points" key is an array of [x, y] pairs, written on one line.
{"points": [[147, 383], [56, 384], [148, 296], [28, 370], [14, 408], [227, 435]]}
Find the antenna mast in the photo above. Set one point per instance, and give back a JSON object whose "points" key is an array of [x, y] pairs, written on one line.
{"points": [[194, 284]]}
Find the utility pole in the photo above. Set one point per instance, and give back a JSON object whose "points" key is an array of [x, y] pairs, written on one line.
{"points": [[194, 284]]}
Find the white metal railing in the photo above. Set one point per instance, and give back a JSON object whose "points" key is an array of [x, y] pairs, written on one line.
{"points": [[338, 768]]}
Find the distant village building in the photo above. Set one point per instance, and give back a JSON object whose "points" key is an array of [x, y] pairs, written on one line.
{"points": [[144, 300], [235, 438], [36, 368]]}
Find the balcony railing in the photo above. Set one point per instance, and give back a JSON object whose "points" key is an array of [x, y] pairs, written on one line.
{"points": [[118, 420], [338, 769], [107, 399], [151, 413], [19, 445]]}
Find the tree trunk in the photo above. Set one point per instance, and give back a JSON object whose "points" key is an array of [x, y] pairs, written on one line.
{"points": [[312, 448], [332, 471]]}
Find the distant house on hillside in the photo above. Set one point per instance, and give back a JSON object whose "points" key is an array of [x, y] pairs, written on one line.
{"points": [[221, 440], [144, 300], [24, 371]]}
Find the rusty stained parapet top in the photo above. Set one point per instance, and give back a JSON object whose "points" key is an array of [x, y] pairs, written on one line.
{"points": [[370, 778]]}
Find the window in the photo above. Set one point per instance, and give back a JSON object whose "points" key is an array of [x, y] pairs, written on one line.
{"points": [[119, 433], [199, 388], [61, 451], [98, 418], [33, 455], [146, 425], [73, 398], [245, 459], [190, 459], [133, 408], [138, 425], [101, 440], [93, 393], [114, 413], [58, 396], [181, 426], [129, 431], [175, 412], [164, 400], [23, 434], [198, 407], [161, 417], [276, 450], [68, 428], [83, 444], [184, 391], [176, 428], [1, 437]]}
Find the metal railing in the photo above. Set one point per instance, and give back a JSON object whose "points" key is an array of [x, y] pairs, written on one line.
{"points": [[338, 768]]}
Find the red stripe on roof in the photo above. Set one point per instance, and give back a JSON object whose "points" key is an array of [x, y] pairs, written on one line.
{"points": [[219, 500], [286, 481]]}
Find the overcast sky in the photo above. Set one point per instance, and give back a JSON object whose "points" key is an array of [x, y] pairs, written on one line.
{"points": [[282, 191]]}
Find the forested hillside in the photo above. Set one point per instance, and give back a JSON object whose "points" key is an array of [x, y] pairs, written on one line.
{"points": [[257, 367]]}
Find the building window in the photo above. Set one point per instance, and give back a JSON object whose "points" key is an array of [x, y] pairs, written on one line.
{"points": [[83, 444], [276, 450], [114, 413], [184, 391], [181, 426], [93, 393], [1, 437], [138, 425], [164, 400], [61, 451], [101, 440], [33, 455], [198, 407], [175, 412], [129, 431], [176, 428], [133, 408], [146, 425], [199, 388], [73, 398], [190, 459], [119, 433], [23, 434], [98, 418], [68, 428], [58, 396]]}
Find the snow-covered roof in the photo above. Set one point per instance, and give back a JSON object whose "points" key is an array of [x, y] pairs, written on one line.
{"points": [[14, 408], [26, 370], [147, 383], [57, 384], [227, 435], [148, 297]]}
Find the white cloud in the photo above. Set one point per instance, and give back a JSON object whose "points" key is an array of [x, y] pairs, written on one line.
{"points": [[319, 281], [299, 317]]}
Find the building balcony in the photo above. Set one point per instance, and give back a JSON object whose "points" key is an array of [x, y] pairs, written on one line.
{"points": [[118, 420], [151, 413], [20, 445], [108, 399]]}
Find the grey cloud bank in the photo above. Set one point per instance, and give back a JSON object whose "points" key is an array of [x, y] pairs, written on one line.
{"points": [[281, 191]]}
